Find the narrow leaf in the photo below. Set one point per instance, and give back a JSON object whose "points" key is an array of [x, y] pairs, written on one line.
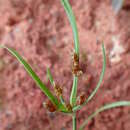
{"points": [[106, 107], [72, 21], [53, 83], [101, 76], [62, 100], [33, 75], [49, 75]]}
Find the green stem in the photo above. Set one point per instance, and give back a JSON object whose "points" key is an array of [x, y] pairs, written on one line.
{"points": [[74, 91], [103, 108], [74, 121], [72, 21]]}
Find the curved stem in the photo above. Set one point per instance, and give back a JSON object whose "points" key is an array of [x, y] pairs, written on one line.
{"points": [[103, 108], [72, 21]]}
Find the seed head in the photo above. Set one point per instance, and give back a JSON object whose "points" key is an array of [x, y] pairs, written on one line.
{"points": [[81, 99], [75, 66], [49, 106], [58, 90], [69, 107]]}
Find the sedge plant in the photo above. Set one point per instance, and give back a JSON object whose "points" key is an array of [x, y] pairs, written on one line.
{"points": [[56, 102]]}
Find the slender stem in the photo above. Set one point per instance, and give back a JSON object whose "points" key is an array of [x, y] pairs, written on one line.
{"points": [[74, 91], [74, 121], [72, 21], [103, 108]]}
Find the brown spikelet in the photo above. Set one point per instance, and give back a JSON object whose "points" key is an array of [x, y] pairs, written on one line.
{"points": [[49, 106], [58, 90], [69, 107], [76, 57], [75, 67], [81, 99]]}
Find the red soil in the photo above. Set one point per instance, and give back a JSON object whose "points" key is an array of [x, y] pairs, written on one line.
{"points": [[39, 30]]}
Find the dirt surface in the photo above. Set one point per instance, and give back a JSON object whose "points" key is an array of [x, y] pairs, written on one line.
{"points": [[39, 30]]}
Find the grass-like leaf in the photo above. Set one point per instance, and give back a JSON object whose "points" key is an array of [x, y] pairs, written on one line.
{"points": [[30, 71], [106, 107], [49, 75], [99, 82], [72, 21], [53, 83], [101, 76]]}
